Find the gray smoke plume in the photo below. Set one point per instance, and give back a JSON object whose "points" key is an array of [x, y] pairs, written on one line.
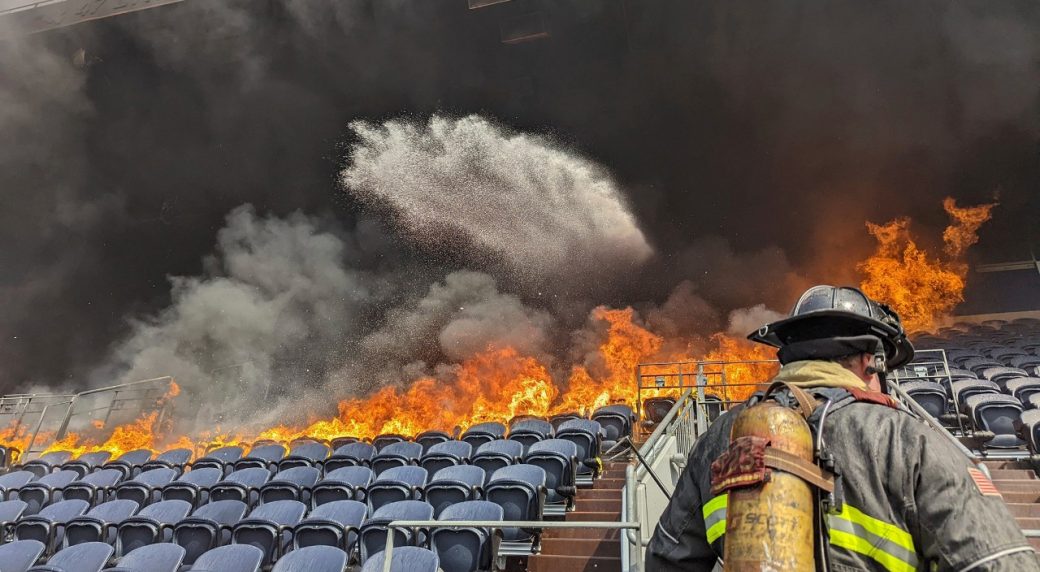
{"points": [[549, 213]]}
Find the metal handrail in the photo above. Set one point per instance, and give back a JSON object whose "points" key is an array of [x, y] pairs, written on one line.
{"points": [[491, 524]]}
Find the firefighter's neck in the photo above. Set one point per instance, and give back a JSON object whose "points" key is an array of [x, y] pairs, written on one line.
{"points": [[860, 367]]}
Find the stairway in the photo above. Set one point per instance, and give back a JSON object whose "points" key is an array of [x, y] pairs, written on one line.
{"points": [[587, 550], [1020, 487]]}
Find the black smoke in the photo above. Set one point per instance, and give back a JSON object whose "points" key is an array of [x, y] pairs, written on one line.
{"points": [[751, 140]]}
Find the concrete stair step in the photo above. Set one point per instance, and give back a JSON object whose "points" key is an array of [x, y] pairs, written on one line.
{"points": [[556, 563], [1028, 523], [1025, 497], [1017, 486], [1012, 474], [991, 465], [599, 505], [582, 533], [581, 547], [1024, 510], [593, 516], [615, 484], [1034, 542], [598, 494]]}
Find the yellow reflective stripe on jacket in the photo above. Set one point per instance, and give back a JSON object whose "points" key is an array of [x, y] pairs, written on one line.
{"points": [[885, 543], [715, 517]]}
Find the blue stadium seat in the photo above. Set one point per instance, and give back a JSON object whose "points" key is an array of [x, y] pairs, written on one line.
{"points": [[404, 559], [997, 413], [494, 455], [152, 558], [48, 525], [396, 455], [396, 484], [86, 557], [558, 458], [585, 435], [966, 388], [1023, 387], [530, 431], [454, 485], [146, 487], [482, 433], [430, 438], [305, 454], [194, 485], [47, 463], [928, 394], [1030, 420], [175, 459], [561, 418], [100, 524], [656, 409], [374, 530], [151, 525], [87, 462], [265, 456], [465, 549], [231, 558], [130, 463], [13, 481], [19, 555], [345, 483], [243, 485], [208, 527], [381, 442], [44, 490], [222, 458], [290, 484], [520, 491], [10, 511], [338, 442], [313, 559], [617, 422], [350, 455], [94, 487], [446, 454], [331, 524], [269, 527]]}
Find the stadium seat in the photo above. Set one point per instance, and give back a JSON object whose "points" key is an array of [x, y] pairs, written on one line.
{"points": [[331, 524], [345, 483], [1023, 387], [465, 548], [617, 422], [313, 559], [93, 487], [175, 459], [344, 440], [557, 420], [430, 438], [151, 525], [231, 558], [19, 555], [264, 456], [242, 485], [978, 365], [350, 455], [712, 406], [558, 458], [100, 523], [929, 395], [585, 435], [656, 409], [130, 463], [396, 484], [87, 462], [44, 490], [10, 511], [1001, 375], [305, 454], [530, 431], [48, 526], [47, 463], [372, 538], [968, 387], [454, 485], [381, 442], [13, 481], [520, 491], [290, 484], [222, 458], [446, 454], [497, 454], [208, 527], [269, 527], [153, 558], [1026, 362], [146, 487], [1030, 420], [86, 557], [481, 433], [996, 413], [396, 455], [194, 485], [404, 559]]}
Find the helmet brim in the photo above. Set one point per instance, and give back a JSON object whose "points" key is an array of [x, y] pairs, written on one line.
{"points": [[836, 323]]}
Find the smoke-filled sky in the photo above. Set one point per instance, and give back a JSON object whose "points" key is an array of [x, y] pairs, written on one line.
{"points": [[416, 188]]}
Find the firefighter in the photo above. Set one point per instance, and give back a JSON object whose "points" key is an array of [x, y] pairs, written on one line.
{"points": [[909, 499]]}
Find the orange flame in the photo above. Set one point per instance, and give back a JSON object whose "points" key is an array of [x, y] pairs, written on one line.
{"points": [[921, 287]]}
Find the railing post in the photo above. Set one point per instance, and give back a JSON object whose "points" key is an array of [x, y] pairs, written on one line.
{"points": [[702, 417], [64, 427]]}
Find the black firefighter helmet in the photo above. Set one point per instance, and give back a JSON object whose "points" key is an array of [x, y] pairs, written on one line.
{"points": [[834, 321]]}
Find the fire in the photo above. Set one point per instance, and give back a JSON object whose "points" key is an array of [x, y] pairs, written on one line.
{"points": [[921, 287]]}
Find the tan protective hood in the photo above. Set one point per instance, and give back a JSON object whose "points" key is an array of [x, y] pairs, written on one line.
{"points": [[817, 373]]}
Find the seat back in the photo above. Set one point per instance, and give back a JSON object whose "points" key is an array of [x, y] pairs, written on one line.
{"points": [[517, 489], [221, 458], [454, 485], [290, 484], [656, 409], [149, 526], [313, 559], [98, 524], [43, 526], [86, 557], [396, 455], [11, 510], [373, 531], [482, 433], [464, 549], [406, 558], [445, 454], [193, 486], [557, 457], [928, 394], [331, 524], [497, 454], [145, 487], [349, 455], [430, 438], [999, 414], [242, 485], [19, 555], [381, 442], [345, 483], [153, 558], [268, 527], [231, 558], [208, 527], [305, 454], [261, 456], [93, 486], [43, 491], [396, 484]]}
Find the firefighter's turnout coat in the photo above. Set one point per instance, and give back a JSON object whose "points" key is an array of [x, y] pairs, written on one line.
{"points": [[912, 500]]}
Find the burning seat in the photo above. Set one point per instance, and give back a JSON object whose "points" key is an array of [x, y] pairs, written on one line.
{"points": [[44, 490], [99, 525], [396, 484], [430, 438], [530, 431], [20, 554], [290, 484], [466, 548], [208, 527], [520, 491], [453, 485], [997, 413], [313, 559], [241, 485], [350, 455], [396, 455], [446, 454], [86, 557], [153, 524], [230, 558], [94, 487], [174, 459], [558, 458], [265, 456], [481, 433], [305, 454], [48, 526], [494, 455], [331, 524], [411, 558], [269, 527], [372, 538], [130, 463], [47, 463], [656, 409], [153, 558], [346, 483], [87, 462], [222, 458], [193, 486], [146, 487]]}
